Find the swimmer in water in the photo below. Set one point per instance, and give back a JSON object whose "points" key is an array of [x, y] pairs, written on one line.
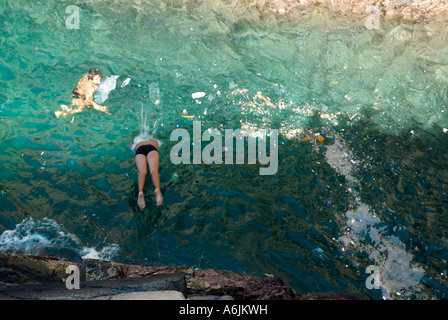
{"points": [[146, 154], [83, 95]]}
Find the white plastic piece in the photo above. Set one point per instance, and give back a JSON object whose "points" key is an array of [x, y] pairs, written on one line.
{"points": [[125, 82], [106, 86], [198, 95]]}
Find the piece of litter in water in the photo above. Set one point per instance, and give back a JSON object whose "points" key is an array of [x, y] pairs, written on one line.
{"points": [[125, 82], [154, 92], [320, 139], [197, 95], [266, 100], [318, 250], [445, 130], [105, 87]]}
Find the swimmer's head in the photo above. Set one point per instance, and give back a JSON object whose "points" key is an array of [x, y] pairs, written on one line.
{"points": [[95, 75]]}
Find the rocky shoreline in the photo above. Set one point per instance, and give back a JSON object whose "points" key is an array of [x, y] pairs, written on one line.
{"points": [[256, 10], [412, 10], [27, 277]]}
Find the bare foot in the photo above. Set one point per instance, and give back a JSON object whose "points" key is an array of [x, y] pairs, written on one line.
{"points": [[141, 200], [159, 198], [65, 108]]}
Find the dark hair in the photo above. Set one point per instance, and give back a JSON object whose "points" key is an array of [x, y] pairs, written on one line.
{"points": [[94, 72]]}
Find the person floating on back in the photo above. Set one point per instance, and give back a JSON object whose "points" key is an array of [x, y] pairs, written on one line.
{"points": [[144, 157], [83, 95]]}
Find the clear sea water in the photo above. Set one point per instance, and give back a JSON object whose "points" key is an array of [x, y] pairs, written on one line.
{"points": [[374, 193]]}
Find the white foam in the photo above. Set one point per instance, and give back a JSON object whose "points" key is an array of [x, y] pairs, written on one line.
{"points": [[39, 236], [139, 138], [31, 234], [106, 253], [145, 133]]}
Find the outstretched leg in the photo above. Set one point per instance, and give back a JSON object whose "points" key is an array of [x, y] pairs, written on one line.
{"points": [[153, 163], [140, 161], [66, 111]]}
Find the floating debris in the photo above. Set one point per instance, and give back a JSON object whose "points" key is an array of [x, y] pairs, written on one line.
{"points": [[198, 95], [320, 139], [266, 100], [125, 82]]}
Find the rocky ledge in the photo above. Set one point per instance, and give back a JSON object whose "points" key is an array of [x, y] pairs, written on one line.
{"points": [[43, 278]]}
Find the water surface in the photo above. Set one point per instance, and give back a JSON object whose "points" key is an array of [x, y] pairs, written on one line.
{"points": [[375, 193]]}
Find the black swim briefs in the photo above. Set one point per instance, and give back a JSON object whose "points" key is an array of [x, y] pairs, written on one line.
{"points": [[78, 95], [145, 149]]}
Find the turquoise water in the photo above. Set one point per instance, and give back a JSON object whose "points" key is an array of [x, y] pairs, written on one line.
{"points": [[375, 193]]}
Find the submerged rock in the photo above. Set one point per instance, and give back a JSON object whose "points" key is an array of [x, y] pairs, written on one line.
{"points": [[37, 278], [241, 287]]}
